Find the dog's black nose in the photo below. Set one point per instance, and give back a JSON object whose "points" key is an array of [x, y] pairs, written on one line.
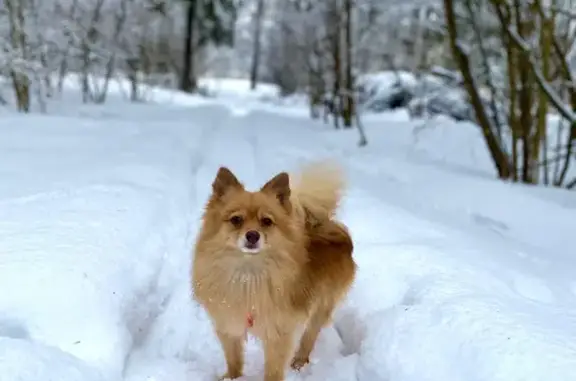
{"points": [[252, 236]]}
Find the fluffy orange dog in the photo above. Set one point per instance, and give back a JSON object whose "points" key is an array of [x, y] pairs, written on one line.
{"points": [[272, 262]]}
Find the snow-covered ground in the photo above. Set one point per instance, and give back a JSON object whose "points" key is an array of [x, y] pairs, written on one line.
{"points": [[461, 278]]}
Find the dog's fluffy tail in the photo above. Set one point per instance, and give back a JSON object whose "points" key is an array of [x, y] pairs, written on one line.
{"points": [[318, 188]]}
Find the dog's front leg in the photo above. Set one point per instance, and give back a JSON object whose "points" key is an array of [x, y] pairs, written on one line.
{"points": [[233, 347], [277, 351]]}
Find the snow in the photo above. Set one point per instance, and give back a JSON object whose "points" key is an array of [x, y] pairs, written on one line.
{"points": [[461, 277]]}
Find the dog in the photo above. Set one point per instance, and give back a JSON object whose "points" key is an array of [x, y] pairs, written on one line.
{"points": [[271, 262]]}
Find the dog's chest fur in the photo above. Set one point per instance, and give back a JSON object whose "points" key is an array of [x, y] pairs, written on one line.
{"points": [[240, 295]]}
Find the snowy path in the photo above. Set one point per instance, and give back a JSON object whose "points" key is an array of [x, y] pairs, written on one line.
{"points": [[451, 286], [409, 279]]}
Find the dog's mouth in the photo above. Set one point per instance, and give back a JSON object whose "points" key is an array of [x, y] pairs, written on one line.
{"points": [[251, 248]]}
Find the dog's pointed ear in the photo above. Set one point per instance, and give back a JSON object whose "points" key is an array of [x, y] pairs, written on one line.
{"points": [[279, 185], [224, 181]]}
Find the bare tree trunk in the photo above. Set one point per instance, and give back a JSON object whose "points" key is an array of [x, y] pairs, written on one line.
{"points": [[539, 79], [188, 81], [499, 156], [63, 67], [86, 51], [540, 139], [567, 75], [132, 65], [111, 64], [87, 95], [316, 86], [256, 51], [335, 23], [515, 127], [348, 104], [363, 138], [42, 76], [20, 80], [525, 96], [571, 147]]}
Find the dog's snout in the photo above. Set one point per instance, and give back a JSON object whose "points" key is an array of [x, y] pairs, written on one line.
{"points": [[252, 237]]}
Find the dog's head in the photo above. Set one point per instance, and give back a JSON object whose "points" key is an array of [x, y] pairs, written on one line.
{"points": [[251, 224]]}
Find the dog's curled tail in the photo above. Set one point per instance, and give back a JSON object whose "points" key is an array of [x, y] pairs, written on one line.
{"points": [[318, 188]]}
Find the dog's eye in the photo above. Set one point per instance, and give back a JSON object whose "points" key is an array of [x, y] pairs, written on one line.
{"points": [[266, 221], [236, 220]]}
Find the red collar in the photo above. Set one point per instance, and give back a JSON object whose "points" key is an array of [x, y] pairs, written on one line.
{"points": [[249, 320]]}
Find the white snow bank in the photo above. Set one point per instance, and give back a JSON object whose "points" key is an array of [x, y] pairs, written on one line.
{"points": [[239, 87], [233, 93], [90, 214], [442, 311], [379, 81], [22, 360]]}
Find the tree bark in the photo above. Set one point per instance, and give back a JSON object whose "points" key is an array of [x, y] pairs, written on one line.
{"points": [[20, 80], [499, 156], [540, 139], [188, 81], [336, 36], [256, 52], [348, 96]]}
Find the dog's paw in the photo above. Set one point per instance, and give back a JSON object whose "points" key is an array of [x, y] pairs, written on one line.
{"points": [[298, 363], [229, 376]]}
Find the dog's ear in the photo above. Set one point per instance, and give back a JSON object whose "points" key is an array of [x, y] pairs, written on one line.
{"points": [[279, 185], [224, 181]]}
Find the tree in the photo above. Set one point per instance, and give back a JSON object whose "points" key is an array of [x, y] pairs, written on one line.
{"points": [[349, 108], [256, 52], [461, 55], [516, 84], [207, 22], [19, 48]]}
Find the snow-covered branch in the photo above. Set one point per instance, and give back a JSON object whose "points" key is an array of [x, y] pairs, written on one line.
{"points": [[564, 109]]}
